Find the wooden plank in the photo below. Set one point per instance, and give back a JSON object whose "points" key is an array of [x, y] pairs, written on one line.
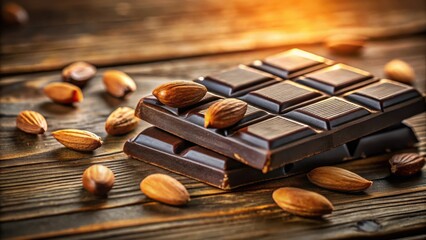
{"points": [[109, 32]]}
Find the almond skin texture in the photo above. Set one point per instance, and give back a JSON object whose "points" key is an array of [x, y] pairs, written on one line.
{"points": [[78, 73], [302, 202], [178, 94], [64, 93], [165, 189], [406, 164], [31, 122], [346, 44], [225, 113], [399, 70], [338, 179], [121, 121], [118, 83], [78, 140], [98, 179]]}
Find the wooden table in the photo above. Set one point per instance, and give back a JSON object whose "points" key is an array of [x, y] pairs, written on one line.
{"points": [[41, 194]]}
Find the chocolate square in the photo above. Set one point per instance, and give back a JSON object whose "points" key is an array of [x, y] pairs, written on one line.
{"points": [[274, 132], [282, 97], [383, 94], [328, 114], [291, 63], [337, 79], [236, 81]]}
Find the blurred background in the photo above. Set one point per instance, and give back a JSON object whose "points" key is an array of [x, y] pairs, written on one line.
{"points": [[107, 32]]}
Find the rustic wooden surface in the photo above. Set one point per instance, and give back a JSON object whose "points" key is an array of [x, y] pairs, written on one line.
{"points": [[41, 194], [117, 32]]}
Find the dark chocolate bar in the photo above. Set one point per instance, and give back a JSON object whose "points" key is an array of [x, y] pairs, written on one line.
{"points": [[165, 150], [292, 119]]}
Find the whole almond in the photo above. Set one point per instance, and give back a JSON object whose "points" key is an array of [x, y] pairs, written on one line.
{"points": [[78, 73], [225, 113], [406, 164], [302, 202], [179, 94], [78, 140], [98, 179], [14, 14], [118, 83], [165, 189], [339, 179], [347, 44], [64, 93], [121, 121], [31, 122], [399, 70]]}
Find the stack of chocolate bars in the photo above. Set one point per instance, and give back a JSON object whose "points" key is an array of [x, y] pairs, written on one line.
{"points": [[304, 111]]}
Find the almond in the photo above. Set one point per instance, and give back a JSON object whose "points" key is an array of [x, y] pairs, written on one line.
{"points": [[98, 179], [339, 179], [302, 202], [399, 70], [121, 121], [406, 164], [14, 14], [31, 122], [78, 140], [179, 94], [347, 44], [225, 113], [64, 93], [78, 73], [165, 189], [118, 83]]}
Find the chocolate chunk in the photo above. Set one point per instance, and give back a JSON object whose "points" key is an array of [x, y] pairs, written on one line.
{"points": [[223, 172], [266, 141]]}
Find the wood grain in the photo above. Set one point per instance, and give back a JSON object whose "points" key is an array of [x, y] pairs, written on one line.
{"points": [[41, 194], [118, 32]]}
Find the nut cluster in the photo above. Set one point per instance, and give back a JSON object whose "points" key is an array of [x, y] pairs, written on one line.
{"points": [[180, 94]]}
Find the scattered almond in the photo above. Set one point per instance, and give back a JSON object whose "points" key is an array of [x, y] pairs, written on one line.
{"points": [[225, 113], [64, 93], [399, 70], [339, 179], [179, 94], [302, 202], [118, 83], [121, 121], [165, 189], [346, 44], [78, 140], [98, 179], [78, 73], [31, 122], [406, 164], [14, 14]]}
